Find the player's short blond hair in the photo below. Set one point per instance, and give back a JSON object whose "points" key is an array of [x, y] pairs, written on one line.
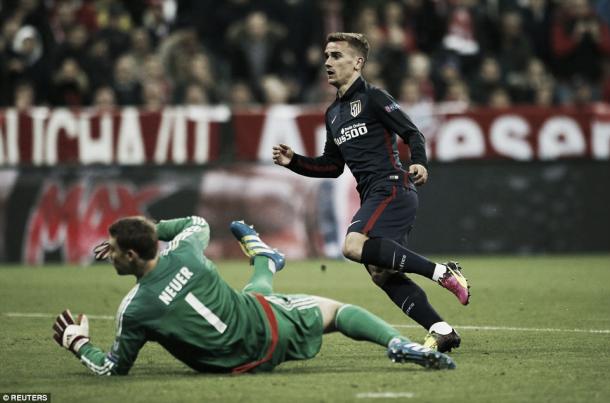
{"points": [[355, 40]]}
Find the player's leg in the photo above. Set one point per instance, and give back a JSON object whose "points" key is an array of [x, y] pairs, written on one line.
{"points": [[266, 261], [359, 324], [371, 239], [413, 301]]}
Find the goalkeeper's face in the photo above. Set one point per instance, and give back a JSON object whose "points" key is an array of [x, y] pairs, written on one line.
{"points": [[125, 262]]}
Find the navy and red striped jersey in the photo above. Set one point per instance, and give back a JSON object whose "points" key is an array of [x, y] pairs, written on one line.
{"points": [[361, 130]]}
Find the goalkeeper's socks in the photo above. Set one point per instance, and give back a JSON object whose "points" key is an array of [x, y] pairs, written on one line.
{"points": [[359, 324], [388, 254], [411, 299], [262, 278]]}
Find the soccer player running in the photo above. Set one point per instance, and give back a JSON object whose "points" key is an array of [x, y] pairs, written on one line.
{"points": [[361, 128], [180, 302]]}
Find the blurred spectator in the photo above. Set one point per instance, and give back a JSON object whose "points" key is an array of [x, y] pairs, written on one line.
{"points": [[241, 95], [104, 99], [445, 74], [257, 49], [424, 19], [462, 36], [24, 97], [409, 92], [194, 94], [70, 85], [158, 18], [176, 53], [457, 93], [199, 72], [153, 95], [539, 84], [125, 84], [419, 71], [275, 91], [114, 23], [515, 51], [499, 98], [545, 95], [26, 60], [140, 45], [397, 40], [537, 25], [487, 81], [100, 66], [152, 70], [580, 40], [75, 46]]}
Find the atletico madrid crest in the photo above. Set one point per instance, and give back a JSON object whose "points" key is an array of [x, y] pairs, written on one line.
{"points": [[355, 108]]}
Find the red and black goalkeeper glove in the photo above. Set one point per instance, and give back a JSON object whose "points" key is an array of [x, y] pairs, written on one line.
{"points": [[70, 334]]}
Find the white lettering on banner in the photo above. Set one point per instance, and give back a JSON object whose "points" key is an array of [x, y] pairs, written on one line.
{"points": [[9, 145], [130, 149], [460, 138], [39, 116], [560, 137], [280, 126], [173, 129], [508, 136], [203, 116], [600, 140], [320, 139], [90, 150], [60, 119]]}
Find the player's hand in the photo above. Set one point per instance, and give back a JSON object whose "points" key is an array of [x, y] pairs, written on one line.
{"points": [[418, 173], [282, 154], [102, 251], [70, 334]]}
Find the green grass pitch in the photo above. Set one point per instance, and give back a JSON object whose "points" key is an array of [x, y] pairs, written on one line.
{"points": [[537, 330]]}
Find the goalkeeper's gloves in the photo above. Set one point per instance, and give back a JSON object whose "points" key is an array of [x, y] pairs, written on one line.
{"points": [[102, 251], [70, 334]]}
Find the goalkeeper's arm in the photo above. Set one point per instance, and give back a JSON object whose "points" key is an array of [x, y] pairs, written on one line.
{"points": [[75, 337]]}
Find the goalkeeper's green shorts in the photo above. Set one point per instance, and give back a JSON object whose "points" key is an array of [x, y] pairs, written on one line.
{"points": [[299, 326]]}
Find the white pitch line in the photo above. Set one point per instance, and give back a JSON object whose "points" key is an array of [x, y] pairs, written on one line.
{"points": [[384, 395], [48, 315], [459, 327], [520, 329]]}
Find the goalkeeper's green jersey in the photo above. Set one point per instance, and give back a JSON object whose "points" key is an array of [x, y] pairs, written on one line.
{"points": [[185, 306]]}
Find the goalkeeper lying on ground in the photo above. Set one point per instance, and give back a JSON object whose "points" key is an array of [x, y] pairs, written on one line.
{"points": [[181, 302]]}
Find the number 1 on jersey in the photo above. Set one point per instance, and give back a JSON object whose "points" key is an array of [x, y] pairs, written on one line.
{"points": [[205, 312]]}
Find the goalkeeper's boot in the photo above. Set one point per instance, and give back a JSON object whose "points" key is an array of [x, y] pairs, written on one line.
{"points": [[400, 350], [252, 245], [454, 281], [442, 342]]}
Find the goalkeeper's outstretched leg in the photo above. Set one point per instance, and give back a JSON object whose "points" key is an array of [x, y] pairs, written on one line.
{"points": [[359, 324], [266, 261]]}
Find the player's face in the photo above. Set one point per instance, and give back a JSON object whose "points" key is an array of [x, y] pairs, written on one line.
{"points": [[342, 63], [122, 261]]}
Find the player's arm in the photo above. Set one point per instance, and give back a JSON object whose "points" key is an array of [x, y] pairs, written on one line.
{"points": [[329, 165], [74, 336], [194, 228], [394, 120]]}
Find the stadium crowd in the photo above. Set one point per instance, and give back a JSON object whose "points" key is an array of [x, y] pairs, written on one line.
{"points": [[153, 53]]}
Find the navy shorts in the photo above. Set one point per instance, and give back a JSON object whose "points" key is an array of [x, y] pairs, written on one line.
{"points": [[387, 212]]}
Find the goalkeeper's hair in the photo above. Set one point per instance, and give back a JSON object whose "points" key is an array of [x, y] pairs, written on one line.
{"points": [[137, 233], [355, 40]]}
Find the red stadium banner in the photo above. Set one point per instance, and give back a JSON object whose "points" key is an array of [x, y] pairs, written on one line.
{"points": [[192, 135]]}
